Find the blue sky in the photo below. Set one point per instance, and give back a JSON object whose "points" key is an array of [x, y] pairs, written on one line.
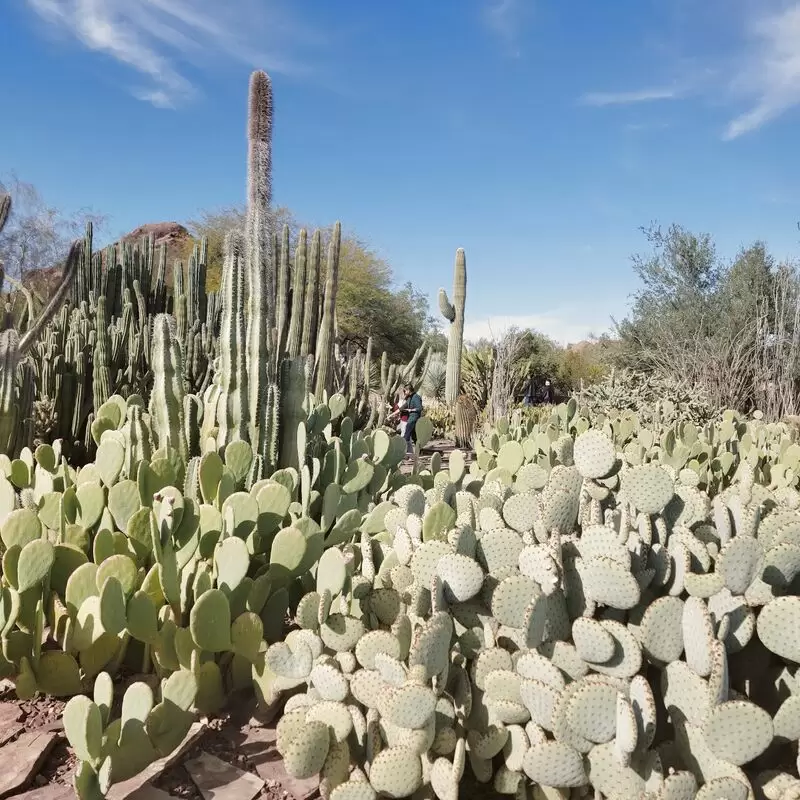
{"points": [[537, 134]]}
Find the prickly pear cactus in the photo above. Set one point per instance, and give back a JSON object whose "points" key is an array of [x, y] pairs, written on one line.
{"points": [[555, 630]]}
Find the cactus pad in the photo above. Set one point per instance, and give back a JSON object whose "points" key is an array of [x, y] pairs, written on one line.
{"points": [[307, 750], [396, 772], [462, 577], [594, 454], [738, 731], [648, 487], [554, 764]]}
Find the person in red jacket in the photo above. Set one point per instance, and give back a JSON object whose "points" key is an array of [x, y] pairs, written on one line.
{"points": [[399, 415]]}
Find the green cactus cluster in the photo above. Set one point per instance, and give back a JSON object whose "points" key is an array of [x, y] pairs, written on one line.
{"points": [[94, 340], [227, 348], [146, 562], [593, 621], [110, 750], [604, 599], [650, 396], [663, 432], [205, 452]]}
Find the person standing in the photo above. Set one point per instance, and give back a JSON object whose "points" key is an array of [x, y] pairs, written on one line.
{"points": [[414, 409], [548, 393], [399, 415]]}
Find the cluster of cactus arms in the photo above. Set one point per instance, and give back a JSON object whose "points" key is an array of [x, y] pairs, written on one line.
{"points": [[273, 304], [648, 395], [94, 339], [454, 314]]}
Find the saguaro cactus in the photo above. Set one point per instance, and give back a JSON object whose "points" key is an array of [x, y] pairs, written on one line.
{"points": [[454, 314]]}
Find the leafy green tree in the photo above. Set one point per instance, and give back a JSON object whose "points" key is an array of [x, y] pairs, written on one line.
{"points": [[731, 329], [582, 365], [677, 304]]}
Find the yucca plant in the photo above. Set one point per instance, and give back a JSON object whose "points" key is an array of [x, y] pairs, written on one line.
{"points": [[435, 380], [476, 375]]}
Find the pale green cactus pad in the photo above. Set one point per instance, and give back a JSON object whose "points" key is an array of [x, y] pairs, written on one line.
{"points": [[594, 454]]}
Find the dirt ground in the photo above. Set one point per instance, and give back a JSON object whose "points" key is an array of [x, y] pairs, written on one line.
{"points": [[249, 765]]}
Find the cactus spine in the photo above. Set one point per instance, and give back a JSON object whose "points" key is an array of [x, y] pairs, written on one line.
{"points": [[454, 314]]}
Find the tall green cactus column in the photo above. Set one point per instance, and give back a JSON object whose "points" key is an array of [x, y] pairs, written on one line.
{"points": [[258, 243], [325, 340], [166, 400], [454, 314], [310, 316], [227, 400], [298, 297]]}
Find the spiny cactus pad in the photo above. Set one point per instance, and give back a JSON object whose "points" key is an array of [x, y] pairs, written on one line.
{"points": [[396, 772]]}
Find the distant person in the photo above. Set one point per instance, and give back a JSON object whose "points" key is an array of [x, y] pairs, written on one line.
{"points": [[548, 393], [530, 394], [413, 403]]}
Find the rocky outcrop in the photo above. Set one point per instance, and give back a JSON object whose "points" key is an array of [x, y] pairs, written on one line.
{"points": [[175, 236]]}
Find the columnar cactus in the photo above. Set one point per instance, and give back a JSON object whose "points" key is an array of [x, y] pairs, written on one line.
{"points": [[166, 400], [16, 401], [9, 357], [227, 399], [454, 314], [101, 383], [311, 313], [296, 321], [283, 290], [292, 415], [325, 339], [258, 239]]}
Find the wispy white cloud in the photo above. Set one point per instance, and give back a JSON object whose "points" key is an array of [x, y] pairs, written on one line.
{"points": [[756, 62], [770, 71], [504, 18], [158, 39], [630, 98], [564, 327]]}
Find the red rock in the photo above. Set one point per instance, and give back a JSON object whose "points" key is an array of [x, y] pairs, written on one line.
{"points": [[119, 791], [259, 747], [218, 780], [22, 759]]}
